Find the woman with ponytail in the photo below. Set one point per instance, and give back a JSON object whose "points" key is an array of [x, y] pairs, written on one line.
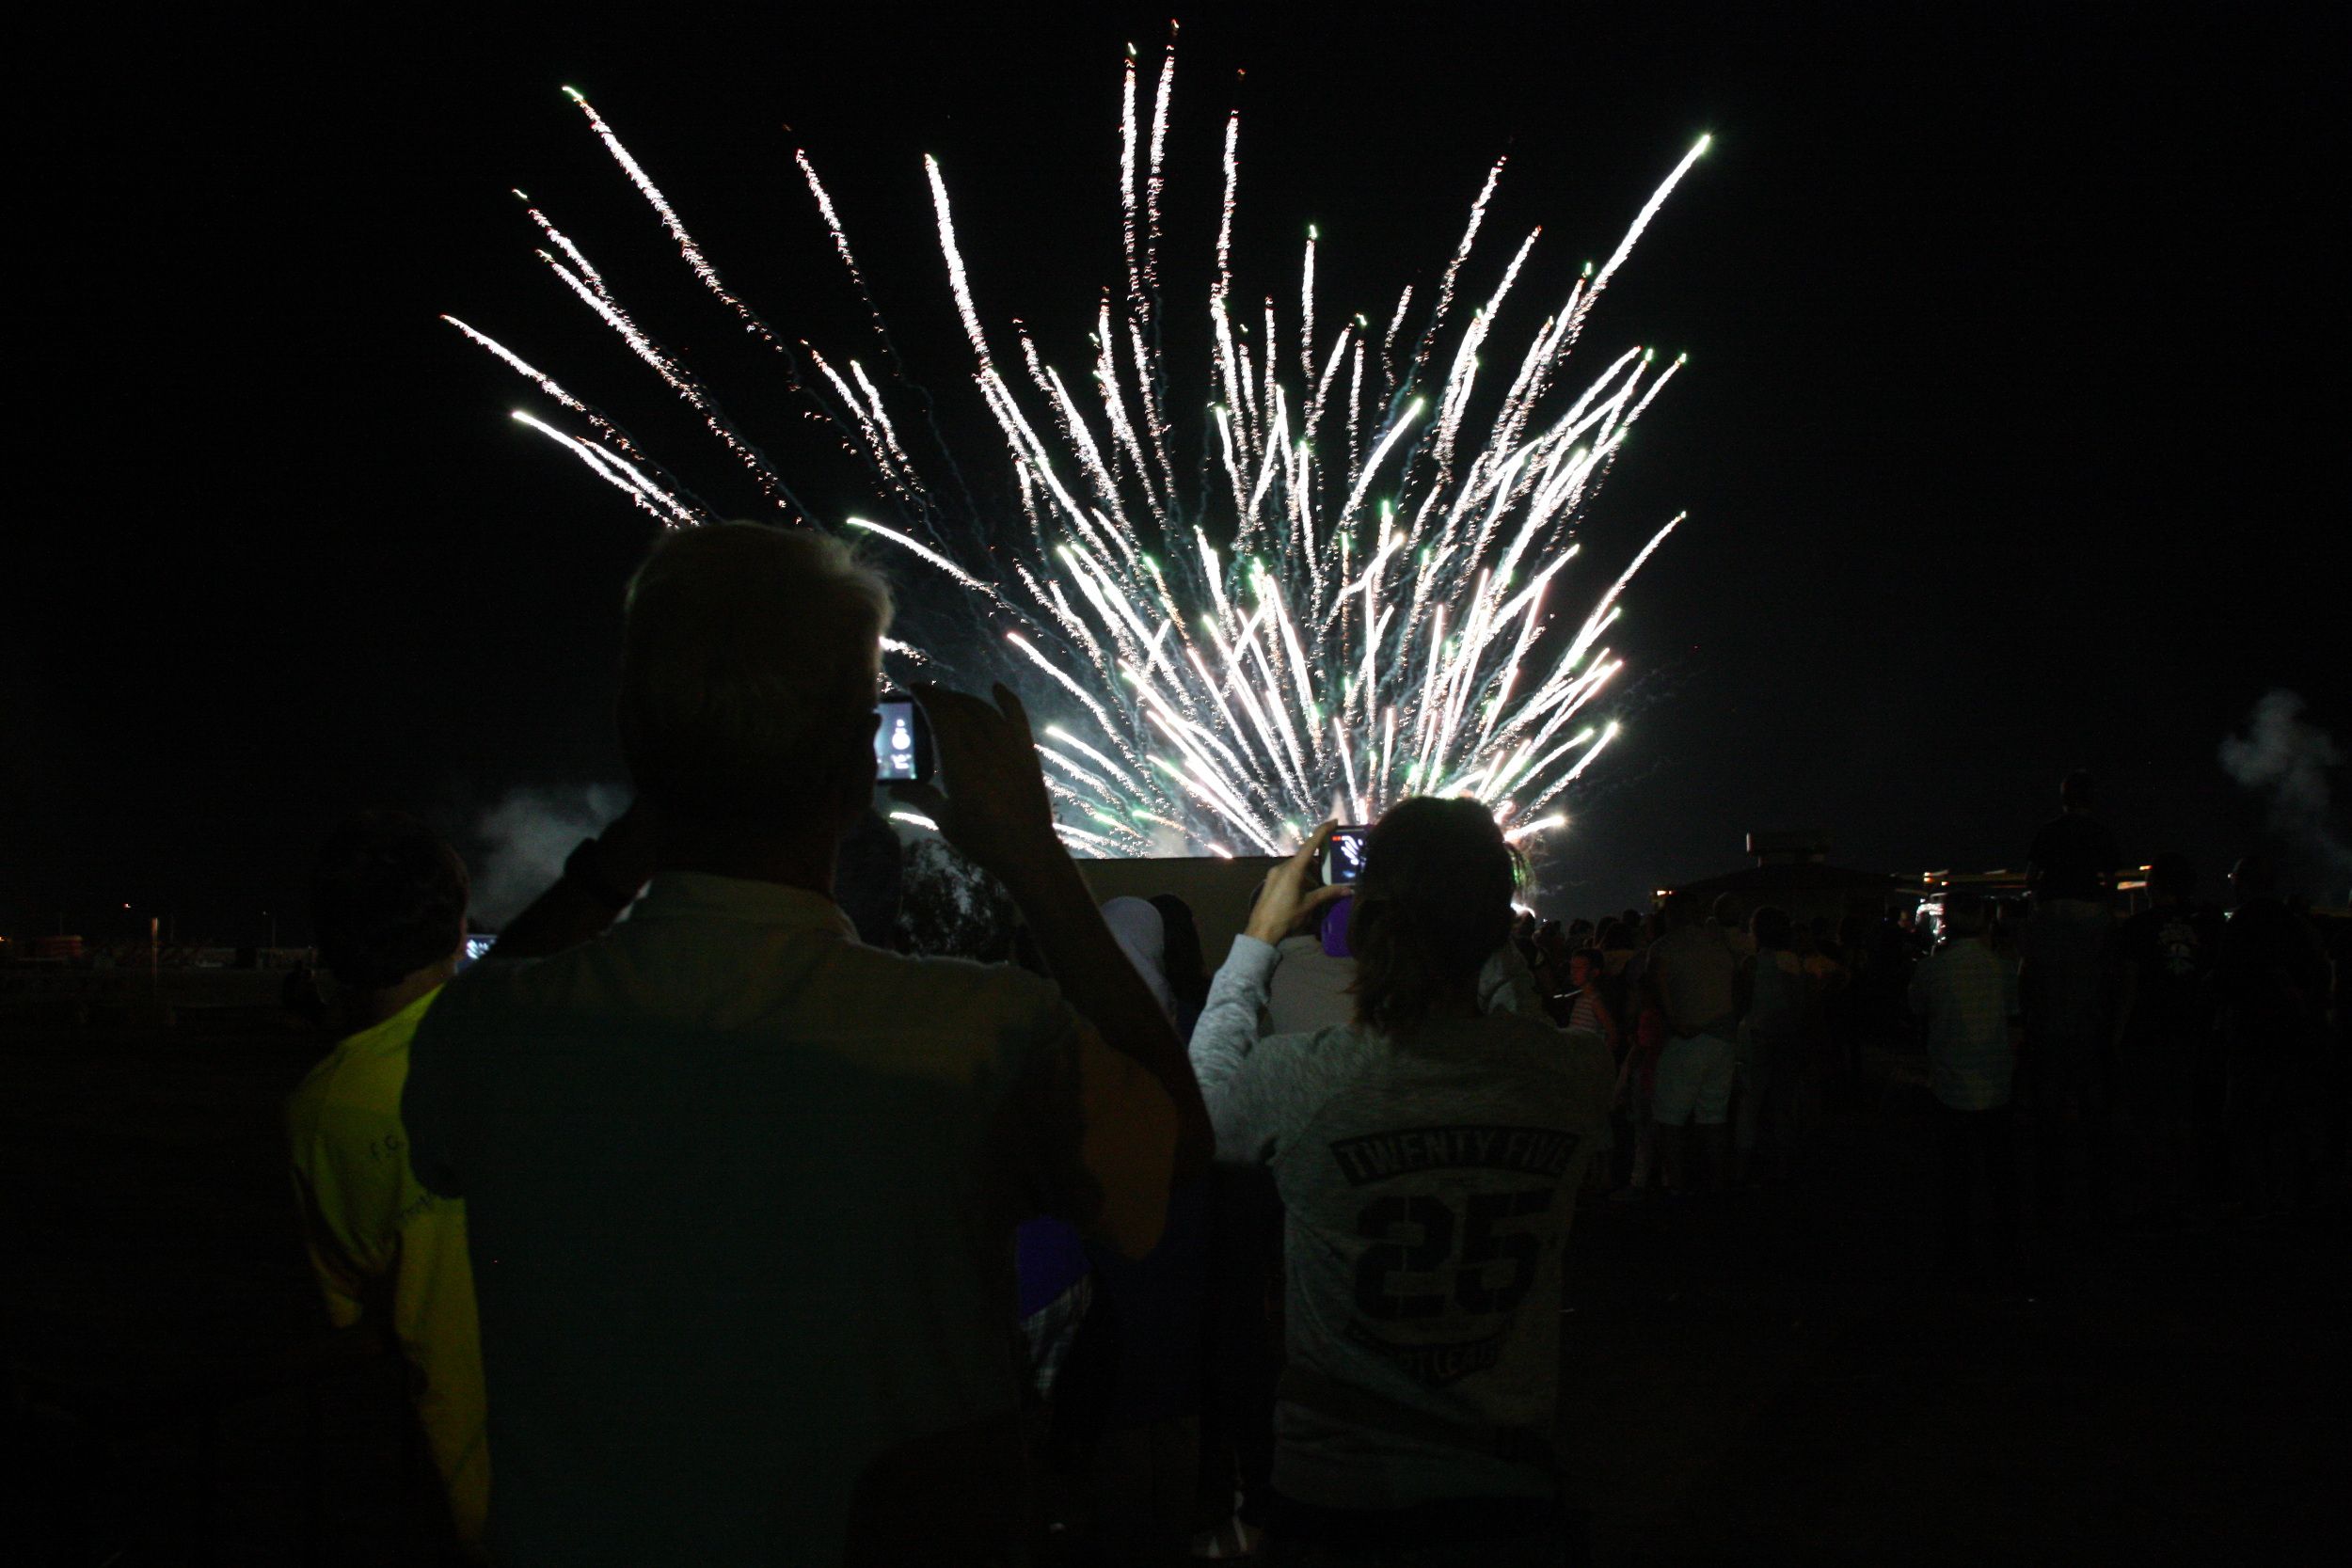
{"points": [[1428, 1155]]}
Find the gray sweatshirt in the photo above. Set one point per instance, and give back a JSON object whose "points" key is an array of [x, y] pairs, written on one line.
{"points": [[1429, 1180]]}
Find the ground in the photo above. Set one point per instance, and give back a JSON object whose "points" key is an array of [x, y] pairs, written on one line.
{"points": [[1777, 1377], [1786, 1377]]}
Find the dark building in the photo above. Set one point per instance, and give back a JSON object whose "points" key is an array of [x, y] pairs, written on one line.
{"points": [[1792, 873]]}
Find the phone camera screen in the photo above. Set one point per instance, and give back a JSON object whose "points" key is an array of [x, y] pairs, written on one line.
{"points": [[894, 743], [1343, 857]]}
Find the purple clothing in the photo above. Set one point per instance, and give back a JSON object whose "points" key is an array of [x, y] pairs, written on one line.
{"points": [[1050, 1259], [1154, 1305], [1335, 928]]}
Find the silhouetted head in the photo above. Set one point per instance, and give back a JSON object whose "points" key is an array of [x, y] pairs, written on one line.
{"points": [[2172, 876], [2251, 878], [2075, 790], [1770, 928], [1965, 914], [1432, 906], [1725, 911], [388, 898], [748, 669], [1187, 972]]}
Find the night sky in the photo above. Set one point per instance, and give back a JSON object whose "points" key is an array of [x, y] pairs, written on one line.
{"points": [[2012, 438]]}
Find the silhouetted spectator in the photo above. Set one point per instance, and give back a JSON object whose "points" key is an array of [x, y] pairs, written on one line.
{"points": [[1885, 979], [1825, 981], [1728, 921], [2072, 872], [301, 996], [1637, 1085], [2073, 854], [1187, 969], [1616, 939], [1695, 972], [741, 1189], [1429, 1159], [1589, 1010], [1842, 1006], [388, 898], [1553, 947], [2164, 1032], [1506, 984], [2006, 931], [1967, 997], [2271, 981], [1137, 1470], [1142, 935], [1771, 1057], [1523, 936]]}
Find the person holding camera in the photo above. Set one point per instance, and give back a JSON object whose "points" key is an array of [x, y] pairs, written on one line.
{"points": [[1428, 1156], [1966, 995], [741, 1189]]}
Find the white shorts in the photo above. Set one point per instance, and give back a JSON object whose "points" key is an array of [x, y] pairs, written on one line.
{"points": [[1694, 1081]]}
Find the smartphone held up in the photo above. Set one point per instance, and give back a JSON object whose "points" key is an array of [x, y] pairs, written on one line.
{"points": [[902, 741], [1343, 854]]}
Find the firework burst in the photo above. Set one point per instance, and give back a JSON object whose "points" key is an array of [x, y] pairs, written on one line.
{"points": [[1354, 604]]}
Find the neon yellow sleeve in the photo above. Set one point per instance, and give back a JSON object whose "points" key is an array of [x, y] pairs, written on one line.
{"points": [[433, 1315]]}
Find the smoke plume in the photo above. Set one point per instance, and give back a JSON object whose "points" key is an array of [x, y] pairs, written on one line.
{"points": [[523, 841], [2286, 760]]}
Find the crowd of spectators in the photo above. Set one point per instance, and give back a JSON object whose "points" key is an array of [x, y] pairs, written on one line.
{"points": [[869, 1202]]}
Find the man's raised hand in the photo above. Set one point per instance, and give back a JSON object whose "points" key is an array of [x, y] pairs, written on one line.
{"points": [[993, 808]]}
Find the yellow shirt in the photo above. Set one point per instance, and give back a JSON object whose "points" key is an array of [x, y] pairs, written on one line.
{"points": [[387, 1250]]}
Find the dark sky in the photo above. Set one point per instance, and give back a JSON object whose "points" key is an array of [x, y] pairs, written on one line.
{"points": [[2011, 436]]}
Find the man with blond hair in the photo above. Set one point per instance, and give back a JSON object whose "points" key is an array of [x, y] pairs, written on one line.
{"points": [[742, 1191]]}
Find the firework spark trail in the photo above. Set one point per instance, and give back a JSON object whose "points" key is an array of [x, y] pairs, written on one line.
{"points": [[680, 380], [1373, 626], [1452, 270], [687, 248], [605, 427], [620, 475], [957, 281]]}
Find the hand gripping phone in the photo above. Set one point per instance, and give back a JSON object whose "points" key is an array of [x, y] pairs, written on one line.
{"points": [[1343, 854]]}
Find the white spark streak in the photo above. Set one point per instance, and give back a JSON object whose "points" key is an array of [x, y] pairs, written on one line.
{"points": [[1352, 627]]}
